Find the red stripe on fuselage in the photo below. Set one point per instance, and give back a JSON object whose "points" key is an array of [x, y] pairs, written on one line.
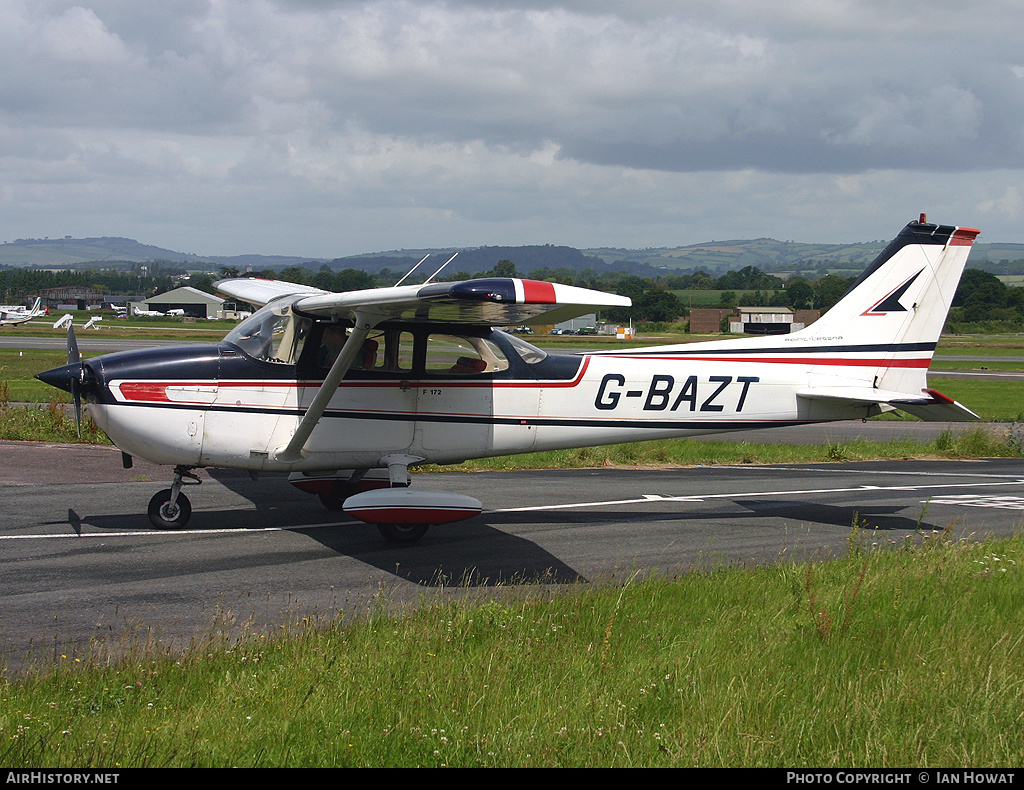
{"points": [[149, 391]]}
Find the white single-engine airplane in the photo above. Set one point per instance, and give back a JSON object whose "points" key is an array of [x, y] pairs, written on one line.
{"points": [[9, 314], [347, 391]]}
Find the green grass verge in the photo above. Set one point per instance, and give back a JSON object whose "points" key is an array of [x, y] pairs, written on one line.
{"points": [[911, 655], [53, 421], [967, 442], [993, 401]]}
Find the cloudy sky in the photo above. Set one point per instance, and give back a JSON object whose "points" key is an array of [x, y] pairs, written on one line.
{"points": [[325, 128]]}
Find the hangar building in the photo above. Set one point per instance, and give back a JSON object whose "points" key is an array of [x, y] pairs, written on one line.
{"points": [[192, 301]]}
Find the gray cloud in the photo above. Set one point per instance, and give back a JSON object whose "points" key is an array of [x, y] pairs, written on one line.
{"points": [[340, 125]]}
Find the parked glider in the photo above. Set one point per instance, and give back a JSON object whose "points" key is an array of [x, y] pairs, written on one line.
{"points": [[347, 391]]}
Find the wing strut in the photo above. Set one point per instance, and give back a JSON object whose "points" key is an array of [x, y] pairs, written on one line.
{"points": [[292, 452]]}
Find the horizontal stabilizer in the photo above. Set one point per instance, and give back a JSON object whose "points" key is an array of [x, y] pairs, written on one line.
{"points": [[930, 405]]}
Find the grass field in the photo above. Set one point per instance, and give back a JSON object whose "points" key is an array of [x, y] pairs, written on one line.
{"points": [[993, 401], [908, 652]]}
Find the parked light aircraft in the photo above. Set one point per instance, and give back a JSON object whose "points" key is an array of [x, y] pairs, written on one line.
{"points": [[10, 314], [347, 391]]}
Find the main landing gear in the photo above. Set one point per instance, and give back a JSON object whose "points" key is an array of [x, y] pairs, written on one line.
{"points": [[383, 497], [170, 509]]}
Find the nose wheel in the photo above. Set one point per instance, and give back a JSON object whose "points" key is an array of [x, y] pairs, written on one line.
{"points": [[170, 509], [165, 514]]}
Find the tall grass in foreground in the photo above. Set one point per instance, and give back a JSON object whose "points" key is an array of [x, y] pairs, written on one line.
{"points": [[913, 656], [53, 421]]}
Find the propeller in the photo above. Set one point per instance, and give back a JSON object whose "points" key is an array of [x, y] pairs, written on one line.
{"points": [[76, 381], [74, 377]]}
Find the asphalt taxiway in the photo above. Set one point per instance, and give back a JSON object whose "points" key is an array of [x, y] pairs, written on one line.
{"points": [[80, 561]]}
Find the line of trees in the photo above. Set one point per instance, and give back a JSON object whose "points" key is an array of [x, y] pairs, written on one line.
{"points": [[981, 299]]}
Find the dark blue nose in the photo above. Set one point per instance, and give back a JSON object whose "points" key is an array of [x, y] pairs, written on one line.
{"points": [[67, 377]]}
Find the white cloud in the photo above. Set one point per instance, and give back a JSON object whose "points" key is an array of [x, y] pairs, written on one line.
{"points": [[1009, 206]]}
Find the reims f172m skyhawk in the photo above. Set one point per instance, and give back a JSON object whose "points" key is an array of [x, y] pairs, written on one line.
{"points": [[347, 391]]}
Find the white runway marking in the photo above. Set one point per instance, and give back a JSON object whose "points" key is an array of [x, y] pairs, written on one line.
{"points": [[648, 498], [981, 500], [173, 533]]}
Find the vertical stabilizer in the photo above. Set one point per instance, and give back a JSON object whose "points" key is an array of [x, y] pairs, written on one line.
{"points": [[890, 319]]}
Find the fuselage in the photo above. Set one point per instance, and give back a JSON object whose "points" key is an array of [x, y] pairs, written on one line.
{"points": [[233, 404]]}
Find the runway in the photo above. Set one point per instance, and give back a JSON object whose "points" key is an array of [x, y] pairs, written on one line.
{"points": [[81, 562]]}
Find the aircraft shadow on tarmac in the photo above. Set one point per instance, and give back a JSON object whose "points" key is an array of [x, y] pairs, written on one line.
{"points": [[476, 552], [880, 517], [471, 554]]}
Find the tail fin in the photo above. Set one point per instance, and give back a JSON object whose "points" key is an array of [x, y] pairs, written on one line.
{"points": [[894, 312], [889, 321]]}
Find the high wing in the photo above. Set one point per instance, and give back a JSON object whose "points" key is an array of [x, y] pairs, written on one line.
{"points": [[489, 301]]}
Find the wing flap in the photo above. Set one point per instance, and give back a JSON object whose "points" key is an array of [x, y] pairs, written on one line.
{"points": [[930, 405]]}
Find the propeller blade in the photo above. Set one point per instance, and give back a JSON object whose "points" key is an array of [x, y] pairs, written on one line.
{"points": [[76, 394], [76, 390], [73, 355]]}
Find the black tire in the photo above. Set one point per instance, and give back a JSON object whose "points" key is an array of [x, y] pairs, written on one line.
{"points": [[162, 516], [403, 533], [340, 491], [331, 502]]}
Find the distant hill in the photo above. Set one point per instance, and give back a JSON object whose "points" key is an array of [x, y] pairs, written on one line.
{"points": [[735, 254], [67, 252], [715, 257]]}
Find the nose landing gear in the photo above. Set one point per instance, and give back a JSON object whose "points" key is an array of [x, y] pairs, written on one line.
{"points": [[169, 508]]}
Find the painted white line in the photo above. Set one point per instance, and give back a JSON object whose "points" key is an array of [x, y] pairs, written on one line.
{"points": [[649, 498], [643, 499], [886, 472], [174, 533]]}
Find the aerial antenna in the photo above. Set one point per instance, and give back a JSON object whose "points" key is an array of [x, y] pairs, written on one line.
{"points": [[414, 268], [431, 277]]}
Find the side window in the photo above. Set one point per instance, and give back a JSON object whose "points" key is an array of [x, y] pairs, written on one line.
{"points": [[395, 352], [287, 339], [387, 351], [455, 355]]}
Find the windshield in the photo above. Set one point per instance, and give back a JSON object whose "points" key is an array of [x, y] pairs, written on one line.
{"points": [[273, 334]]}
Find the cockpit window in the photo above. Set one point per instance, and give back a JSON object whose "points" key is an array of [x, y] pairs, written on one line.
{"points": [[530, 354], [273, 334]]}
